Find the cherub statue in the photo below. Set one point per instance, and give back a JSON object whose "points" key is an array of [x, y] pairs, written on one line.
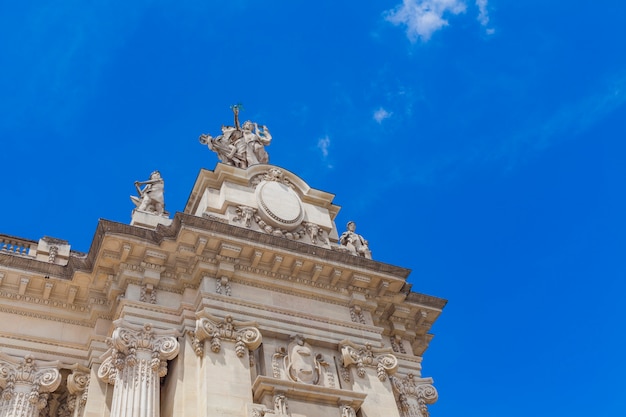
{"points": [[150, 198], [354, 243]]}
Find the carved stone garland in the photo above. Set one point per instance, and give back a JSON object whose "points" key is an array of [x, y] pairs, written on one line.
{"points": [[245, 335], [361, 356], [137, 358], [413, 395], [26, 385]]}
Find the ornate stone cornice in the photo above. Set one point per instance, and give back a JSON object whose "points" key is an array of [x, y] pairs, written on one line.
{"points": [[361, 356], [208, 327]]}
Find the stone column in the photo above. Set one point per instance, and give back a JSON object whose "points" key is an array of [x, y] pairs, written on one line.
{"points": [[137, 358], [26, 385]]}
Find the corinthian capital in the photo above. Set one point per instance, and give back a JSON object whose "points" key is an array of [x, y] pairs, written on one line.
{"points": [[77, 384], [208, 327], [28, 376], [131, 343], [413, 394], [367, 356]]}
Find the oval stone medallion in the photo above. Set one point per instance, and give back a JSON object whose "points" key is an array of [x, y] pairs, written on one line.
{"points": [[279, 205]]}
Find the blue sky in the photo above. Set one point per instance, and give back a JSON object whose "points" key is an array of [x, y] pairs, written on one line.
{"points": [[479, 143]]}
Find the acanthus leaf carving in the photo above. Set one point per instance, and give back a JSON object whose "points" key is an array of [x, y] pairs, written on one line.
{"points": [[131, 344], [77, 386], [384, 362], [413, 395], [26, 384], [208, 327]]}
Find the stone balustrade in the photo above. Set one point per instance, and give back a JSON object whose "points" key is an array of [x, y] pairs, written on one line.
{"points": [[15, 246]]}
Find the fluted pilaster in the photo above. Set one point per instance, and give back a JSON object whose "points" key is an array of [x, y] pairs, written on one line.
{"points": [[26, 385], [137, 358]]}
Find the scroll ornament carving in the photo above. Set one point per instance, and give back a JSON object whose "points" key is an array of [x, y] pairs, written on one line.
{"points": [[77, 384], [366, 356], [26, 385], [277, 362], [136, 359], [280, 404], [125, 344], [245, 335], [413, 395], [299, 363]]}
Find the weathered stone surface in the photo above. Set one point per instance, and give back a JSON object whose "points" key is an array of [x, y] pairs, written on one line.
{"points": [[246, 304]]}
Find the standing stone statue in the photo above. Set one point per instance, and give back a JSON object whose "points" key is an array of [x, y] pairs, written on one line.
{"points": [[150, 198], [354, 243], [240, 146]]}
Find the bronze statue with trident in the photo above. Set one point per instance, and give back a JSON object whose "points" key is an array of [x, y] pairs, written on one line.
{"points": [[241, 145]]}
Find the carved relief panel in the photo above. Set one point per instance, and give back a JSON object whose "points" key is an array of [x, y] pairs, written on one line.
{"points": [[299, 362]]}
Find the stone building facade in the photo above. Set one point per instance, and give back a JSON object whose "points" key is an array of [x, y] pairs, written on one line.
{"points": [[249, 303]]}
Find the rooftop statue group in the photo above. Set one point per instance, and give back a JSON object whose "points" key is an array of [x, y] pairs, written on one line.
{"points": [[240, 146]]}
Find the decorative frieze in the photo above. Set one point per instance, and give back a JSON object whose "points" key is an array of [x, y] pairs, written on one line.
{"points": [[26, 385], [367, 356], [215, 330]]}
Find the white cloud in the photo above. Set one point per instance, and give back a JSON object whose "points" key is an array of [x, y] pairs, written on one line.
{"points": [[483, 14], [381, 114], [424, 17], [323, 144]]}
